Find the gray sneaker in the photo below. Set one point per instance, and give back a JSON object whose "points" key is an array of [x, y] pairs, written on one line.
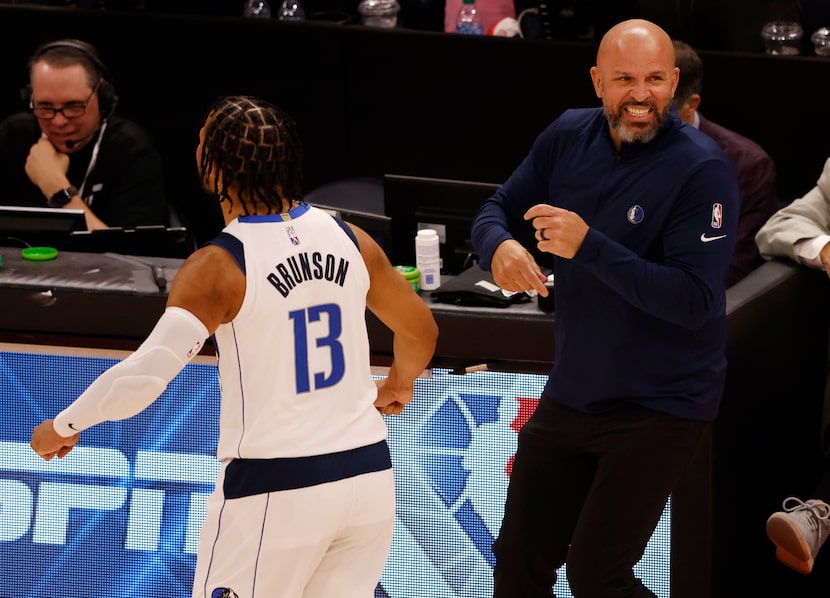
{"points": [[799, 531]]}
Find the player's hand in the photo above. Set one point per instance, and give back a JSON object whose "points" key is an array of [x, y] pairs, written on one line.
{"points": [[48, 444], [824, 256], [558, 231], [391, 401], [514, 269]]}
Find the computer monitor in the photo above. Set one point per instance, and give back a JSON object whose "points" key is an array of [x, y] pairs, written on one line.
{"points": [[378, 226], [447, 205], [24, 225]]}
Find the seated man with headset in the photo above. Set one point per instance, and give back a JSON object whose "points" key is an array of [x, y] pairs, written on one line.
{"points": [[68, 149]]}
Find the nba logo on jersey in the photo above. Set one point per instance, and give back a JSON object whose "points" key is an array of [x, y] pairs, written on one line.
{"points": [[295, 240], [224, 593], [717, 215]]}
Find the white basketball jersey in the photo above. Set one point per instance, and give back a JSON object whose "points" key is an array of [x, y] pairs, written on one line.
{"points": [[294, 367]]}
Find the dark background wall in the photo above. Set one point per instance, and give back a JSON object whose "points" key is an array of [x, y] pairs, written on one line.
{"points": [[731, 25], [373, 101]]}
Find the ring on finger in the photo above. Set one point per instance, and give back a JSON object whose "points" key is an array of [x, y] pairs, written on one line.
{"points": [[542, 234]]}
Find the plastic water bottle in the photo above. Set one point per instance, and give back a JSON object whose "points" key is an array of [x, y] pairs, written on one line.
{"points": [[468, 20], [291, 10], [257, 8], [428, 259]]}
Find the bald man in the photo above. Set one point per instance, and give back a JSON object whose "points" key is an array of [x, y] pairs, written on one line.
{"points": [[636, 212]]}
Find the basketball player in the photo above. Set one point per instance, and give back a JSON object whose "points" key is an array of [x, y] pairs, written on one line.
{"points": [[304, 502], [69, 150]]}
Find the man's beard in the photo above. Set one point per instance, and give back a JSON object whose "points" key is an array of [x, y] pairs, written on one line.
{"points": [[632, 135]]}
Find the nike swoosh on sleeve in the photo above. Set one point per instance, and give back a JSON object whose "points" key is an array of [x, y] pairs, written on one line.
{"points": [[706, 239]]}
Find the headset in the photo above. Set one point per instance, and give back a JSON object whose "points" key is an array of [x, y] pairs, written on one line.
{"points": [[89, 58]]}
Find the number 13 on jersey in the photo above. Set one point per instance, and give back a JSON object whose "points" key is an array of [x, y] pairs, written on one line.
{"points": [[328, 341]]}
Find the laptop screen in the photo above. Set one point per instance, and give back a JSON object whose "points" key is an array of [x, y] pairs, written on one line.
{"points": [[32, 226]]}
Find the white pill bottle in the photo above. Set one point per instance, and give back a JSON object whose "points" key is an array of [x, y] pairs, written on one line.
{"points": [[428, 258]]}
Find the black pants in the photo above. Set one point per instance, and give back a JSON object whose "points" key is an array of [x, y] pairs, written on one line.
{"points": [[589, 490]]}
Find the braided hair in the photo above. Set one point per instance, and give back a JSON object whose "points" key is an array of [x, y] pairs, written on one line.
{"points": [[252, 147]]}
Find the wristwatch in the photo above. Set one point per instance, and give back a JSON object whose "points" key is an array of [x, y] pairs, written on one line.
{"points": [[62, 197]]}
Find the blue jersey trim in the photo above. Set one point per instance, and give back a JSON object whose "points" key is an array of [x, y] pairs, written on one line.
{"points": [[247, 477], [348, 230], [294, 212], [235, 248], [232, 245]]}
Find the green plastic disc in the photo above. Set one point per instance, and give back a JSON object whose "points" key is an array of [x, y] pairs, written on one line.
{"points": [[39, 254]]}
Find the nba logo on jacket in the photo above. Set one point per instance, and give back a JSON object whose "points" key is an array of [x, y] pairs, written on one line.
{"points": [[717, 215]]}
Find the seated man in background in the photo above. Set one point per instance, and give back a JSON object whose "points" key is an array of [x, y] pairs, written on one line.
{"points": [[69, 150], [753, 166], [801, 232]]}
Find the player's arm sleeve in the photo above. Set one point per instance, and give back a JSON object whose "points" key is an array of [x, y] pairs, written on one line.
{"points": [[130, 386]]}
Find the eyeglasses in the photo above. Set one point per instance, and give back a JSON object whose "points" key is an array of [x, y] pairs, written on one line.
{"points": [[69, 111]]}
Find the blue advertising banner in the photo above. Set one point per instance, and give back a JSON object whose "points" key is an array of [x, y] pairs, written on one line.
{"points": [[120, 516]]}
